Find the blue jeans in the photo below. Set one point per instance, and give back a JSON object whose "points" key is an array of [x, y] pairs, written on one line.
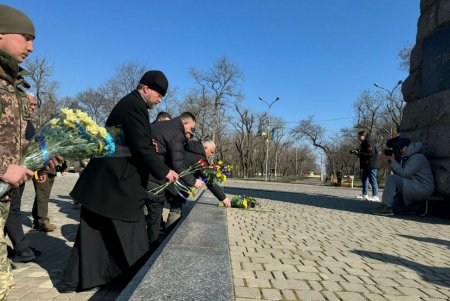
{"points": [[369, 175]]}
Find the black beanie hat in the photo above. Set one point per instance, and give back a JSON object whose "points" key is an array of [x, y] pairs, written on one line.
{"points": [[15, 21], [401, 142], [155, 80]]}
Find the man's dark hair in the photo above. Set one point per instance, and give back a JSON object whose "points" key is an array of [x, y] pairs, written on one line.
{"points": [[187, 116], [163, 116]]}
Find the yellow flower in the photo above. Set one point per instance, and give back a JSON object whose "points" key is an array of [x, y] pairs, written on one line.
{"points": [[68, 123], [244, 203], [219, 175], [103, 132], [54, 121], [224, 178], [219, 163], [92, 130], [66, 111]]}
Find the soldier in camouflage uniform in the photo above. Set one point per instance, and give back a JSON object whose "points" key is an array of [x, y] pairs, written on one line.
{"points": [[16, 42]]}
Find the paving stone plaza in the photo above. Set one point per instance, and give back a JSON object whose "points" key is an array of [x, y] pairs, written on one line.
{"points": [[319, 243]]}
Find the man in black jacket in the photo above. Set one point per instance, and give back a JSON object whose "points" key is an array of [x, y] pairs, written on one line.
{"points": [[195, 151], [111, 237], [170, 138]]}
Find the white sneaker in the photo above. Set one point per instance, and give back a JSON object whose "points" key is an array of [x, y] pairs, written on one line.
{"points": [[375, 199], [363, 197]]}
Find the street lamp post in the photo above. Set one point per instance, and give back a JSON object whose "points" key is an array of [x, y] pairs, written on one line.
{"points": [[390, 97], [267, 132]]}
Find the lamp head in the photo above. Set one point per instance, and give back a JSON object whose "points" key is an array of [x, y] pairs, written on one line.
{"points": [[399, 82], [277, 98], [260, 98], [376, 85]]}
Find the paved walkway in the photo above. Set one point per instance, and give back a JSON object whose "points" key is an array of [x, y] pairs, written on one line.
{"points": [[318, 244], [37, 280], [321, 244]]}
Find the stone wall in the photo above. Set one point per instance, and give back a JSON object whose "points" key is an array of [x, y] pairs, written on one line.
{"points": [[427, 118]]}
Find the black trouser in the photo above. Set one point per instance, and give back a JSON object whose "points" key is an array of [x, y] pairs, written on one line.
{"points": [[13, 225], [155, 206], [40, 205], [176, 202]]}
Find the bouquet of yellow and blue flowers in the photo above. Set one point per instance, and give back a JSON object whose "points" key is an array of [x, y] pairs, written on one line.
{"points": [[217, 173], [71, 134]]}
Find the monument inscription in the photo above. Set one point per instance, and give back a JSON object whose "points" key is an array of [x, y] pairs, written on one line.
{"points": [[436, 62]]}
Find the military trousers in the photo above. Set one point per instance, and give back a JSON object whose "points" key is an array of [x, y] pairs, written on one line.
{"points": [[40, 205], [6, 276]]}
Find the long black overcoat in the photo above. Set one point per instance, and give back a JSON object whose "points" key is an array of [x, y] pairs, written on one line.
{"points": [[115, 187]]}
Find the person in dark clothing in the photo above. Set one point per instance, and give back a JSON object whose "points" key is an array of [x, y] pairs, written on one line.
{"points": [[339, 178], [368, 163], [195, 151], [169, 138], [111, 238], [205, 150], [21, 252], [412, 181]]}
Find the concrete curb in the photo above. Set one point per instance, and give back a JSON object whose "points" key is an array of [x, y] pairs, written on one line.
{"points": [[192, 264]]}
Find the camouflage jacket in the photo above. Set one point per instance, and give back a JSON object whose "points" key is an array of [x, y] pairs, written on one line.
{"points": [[14, 110]]}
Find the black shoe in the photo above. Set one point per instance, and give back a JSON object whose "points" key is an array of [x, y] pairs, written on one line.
{"points": [[26, 255], [383, 210]]}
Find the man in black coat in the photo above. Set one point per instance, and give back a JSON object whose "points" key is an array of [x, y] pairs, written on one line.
{"points": [[111, 237], [195, 151], [170, 138]]}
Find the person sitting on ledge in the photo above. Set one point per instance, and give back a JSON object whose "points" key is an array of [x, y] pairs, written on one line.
{"points": [[411, 183]]}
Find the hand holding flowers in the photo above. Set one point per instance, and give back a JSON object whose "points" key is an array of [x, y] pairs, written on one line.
{"points": [[193, 168]]}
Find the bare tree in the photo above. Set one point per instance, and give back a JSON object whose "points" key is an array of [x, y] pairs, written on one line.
{"points": [[44, 89], [217, 88], [125, 80], [367, 109], [69, 102], [127, 77], [405, 56], [245, 138], [201, 108], [315, 133], [277, 135], [95, 104]]}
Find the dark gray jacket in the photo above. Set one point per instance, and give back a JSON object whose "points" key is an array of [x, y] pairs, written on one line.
{"points": [[418, 182]]}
